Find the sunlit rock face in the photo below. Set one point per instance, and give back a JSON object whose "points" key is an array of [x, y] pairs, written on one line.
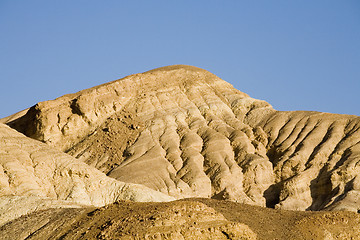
{"points": [[184, 132], [35, 176]]}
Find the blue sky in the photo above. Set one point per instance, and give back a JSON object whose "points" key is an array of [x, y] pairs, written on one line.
{"points": [[297, 55]]}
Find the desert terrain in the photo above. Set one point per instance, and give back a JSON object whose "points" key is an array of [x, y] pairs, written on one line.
{"points": [[177, 153]]}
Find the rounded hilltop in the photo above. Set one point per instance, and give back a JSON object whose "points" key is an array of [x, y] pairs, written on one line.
{"points": [[175, 75], [183, 76], [178, 67]]}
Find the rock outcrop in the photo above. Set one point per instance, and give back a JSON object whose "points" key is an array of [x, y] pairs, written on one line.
{"points": [[182, 131]]}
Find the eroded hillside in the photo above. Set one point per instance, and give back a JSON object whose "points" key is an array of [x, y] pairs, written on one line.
{"points": [[68, 167], [184, 132], [34, 176]]}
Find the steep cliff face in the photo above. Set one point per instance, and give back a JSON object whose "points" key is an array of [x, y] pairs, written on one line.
{"points": [[184, 132]]}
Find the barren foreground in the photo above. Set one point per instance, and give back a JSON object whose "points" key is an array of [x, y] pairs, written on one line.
{"points": [[184, 219]]}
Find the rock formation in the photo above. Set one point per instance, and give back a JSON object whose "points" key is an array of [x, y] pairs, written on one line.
{"points": [[34, 176], [183, 131], [176, 132]]}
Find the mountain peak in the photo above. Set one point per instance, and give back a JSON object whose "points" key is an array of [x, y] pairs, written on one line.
{"points": [[177, 67]]}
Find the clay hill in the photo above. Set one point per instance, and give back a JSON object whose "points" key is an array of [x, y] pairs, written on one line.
{"points": [[109, 162]]}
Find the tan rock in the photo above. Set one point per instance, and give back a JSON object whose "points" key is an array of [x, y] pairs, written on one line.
{"points": [[184, 132], [36, 176]]}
